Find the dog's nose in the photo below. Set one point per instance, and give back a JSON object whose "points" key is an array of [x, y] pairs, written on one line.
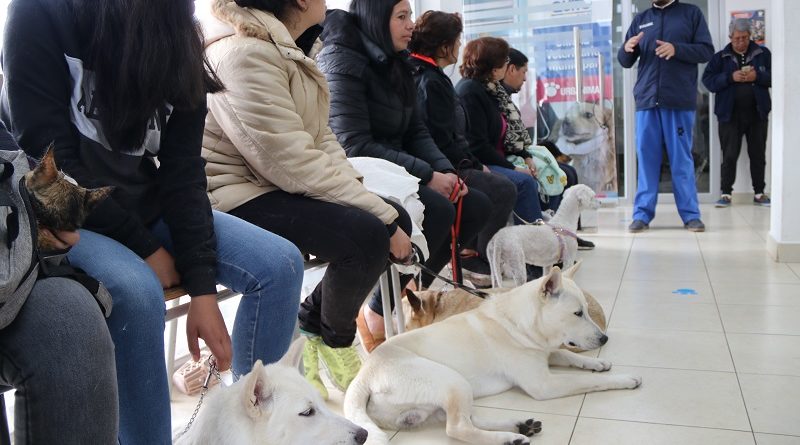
{"points": [[603, 339], [361, 436]]}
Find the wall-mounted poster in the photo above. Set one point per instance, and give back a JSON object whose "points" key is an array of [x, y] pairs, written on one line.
{"points": [[759, 24], [582, 126]]}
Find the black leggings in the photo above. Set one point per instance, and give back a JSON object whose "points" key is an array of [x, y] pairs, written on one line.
{"points": [[439, 216], [502, 195], [354, 242]]}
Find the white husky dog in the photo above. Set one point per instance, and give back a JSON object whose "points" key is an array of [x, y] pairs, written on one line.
{"points": [[541, 245], [509, 341], [272, 405]]}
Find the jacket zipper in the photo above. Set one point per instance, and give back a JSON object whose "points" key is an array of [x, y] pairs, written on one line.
{"points": [[660, 60]]}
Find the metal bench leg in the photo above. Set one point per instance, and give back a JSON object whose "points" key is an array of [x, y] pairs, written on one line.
{"points": [[397, 294], [386, 294], [173, 338]]}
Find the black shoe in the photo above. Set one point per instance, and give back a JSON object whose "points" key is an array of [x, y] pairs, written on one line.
{"points": [[638, 226], [585, 244]]}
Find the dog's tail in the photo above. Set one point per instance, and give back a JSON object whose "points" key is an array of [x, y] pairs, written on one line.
{"points": [[355, 410], [492, 252]]}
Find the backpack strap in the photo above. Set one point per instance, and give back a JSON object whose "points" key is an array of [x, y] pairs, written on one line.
{"points": [[12, 220]]}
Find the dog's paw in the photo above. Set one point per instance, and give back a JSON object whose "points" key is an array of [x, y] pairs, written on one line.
{"points": [[518, 442], [600, 365], [529, 427], [629, 381]]}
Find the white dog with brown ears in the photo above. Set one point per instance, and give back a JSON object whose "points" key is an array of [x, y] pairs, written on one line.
{"points": [[509, 341], [540, 244], [272, 405]]}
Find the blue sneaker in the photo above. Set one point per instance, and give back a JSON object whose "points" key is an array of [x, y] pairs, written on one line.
{"points": [[762, 200], [724, 201]]}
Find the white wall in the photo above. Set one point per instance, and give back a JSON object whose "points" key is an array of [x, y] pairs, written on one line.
{"points": [[743, 183], [784, 234]]}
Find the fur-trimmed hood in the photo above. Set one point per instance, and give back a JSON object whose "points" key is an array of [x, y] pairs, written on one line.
{"points": [[224, 18]]}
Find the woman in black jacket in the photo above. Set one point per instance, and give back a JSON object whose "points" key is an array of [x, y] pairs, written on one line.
{"points": [[374, 113], [434, 46], [489, 135]]}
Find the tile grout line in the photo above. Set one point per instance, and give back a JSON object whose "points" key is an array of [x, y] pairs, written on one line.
{"points": [[727, 343]]}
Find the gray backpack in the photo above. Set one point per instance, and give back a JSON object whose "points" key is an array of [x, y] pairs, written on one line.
{"points": [[18, 260]]}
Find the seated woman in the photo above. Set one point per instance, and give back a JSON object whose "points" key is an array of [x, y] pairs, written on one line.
{"points": [[374, 113], [434, 46], [489, 133], [119, 88], [273, 161]]}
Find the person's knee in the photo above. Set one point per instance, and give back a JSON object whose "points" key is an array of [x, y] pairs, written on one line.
{"points": [[284, 266], [529, 186]]}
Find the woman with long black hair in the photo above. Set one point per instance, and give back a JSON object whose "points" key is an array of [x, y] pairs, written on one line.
{"points": [[118, 87], [374, 113]]}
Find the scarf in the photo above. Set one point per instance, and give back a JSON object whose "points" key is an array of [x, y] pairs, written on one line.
{"points": [[517, 137]]}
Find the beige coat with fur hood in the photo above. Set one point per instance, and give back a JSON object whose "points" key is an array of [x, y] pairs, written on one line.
{"points": [[269, 129]]}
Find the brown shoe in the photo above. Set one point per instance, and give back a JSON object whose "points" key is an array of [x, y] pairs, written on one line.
{"points": [[368, 340]]}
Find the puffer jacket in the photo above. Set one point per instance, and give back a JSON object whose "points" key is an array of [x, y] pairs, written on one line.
{"points": [[368, 116], [668, 83], [269, 129], [718, 78]]}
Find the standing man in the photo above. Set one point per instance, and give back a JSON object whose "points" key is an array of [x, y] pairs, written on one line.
{"points": [[669, 40], [741, 75]]}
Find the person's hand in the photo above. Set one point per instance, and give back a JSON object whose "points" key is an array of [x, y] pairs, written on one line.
{"points": [[164, 266], [486, 169], [443, 183], [205, 321], [750, 76], [738, 76], [665, 50], [60, 239], [531, 166], [633, 42], [400, 245], [462, 189], [525, 170]]}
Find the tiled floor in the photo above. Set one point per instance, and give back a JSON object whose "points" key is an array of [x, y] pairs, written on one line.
{"points": [[708, 320]]}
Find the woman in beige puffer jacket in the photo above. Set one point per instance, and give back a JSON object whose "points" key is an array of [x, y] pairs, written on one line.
{"points": [[272, 160]]}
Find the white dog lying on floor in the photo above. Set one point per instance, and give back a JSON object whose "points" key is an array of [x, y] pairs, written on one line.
{"points": [[272, 405], [541, 245], [436, 372]]}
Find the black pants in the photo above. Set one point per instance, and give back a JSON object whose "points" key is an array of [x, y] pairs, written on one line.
{"points": [[354, 242], [439, 216], [730, 138], [502, 194]]}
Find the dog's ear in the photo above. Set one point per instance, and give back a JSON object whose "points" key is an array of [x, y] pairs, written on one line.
{"points": [[570, 273], [551, 284], [414, 300], [258, 391], [294, 354]]}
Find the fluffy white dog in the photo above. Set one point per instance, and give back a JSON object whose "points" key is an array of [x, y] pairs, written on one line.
{"points": [[541, 245], [272, 405]]}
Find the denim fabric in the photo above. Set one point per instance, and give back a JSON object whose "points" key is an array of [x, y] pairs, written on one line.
{"points": [[527, 207], [265, 268], [59, 357]]}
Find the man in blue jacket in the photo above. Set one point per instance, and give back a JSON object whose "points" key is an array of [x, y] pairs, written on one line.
{"points": [[741, 75], [669, 40]]}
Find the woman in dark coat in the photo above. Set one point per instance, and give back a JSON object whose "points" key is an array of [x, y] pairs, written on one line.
{"points": [[374, 113]]}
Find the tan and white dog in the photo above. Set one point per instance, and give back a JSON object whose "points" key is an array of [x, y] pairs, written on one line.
{"points": [[586, 133], [423, 308], [509, 341], [272, 405]]}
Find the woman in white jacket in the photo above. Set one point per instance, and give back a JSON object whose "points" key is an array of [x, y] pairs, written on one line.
{"points": [[273, 161]]}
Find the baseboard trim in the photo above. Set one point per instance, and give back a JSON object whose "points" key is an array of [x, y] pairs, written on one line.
{"points": [[783, 252]]}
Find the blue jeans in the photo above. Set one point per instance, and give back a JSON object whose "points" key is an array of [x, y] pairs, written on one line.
{"points": [[657, 128], [59, 357], [265, 268], [527, 207]]}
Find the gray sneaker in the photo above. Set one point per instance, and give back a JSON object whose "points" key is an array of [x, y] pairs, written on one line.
{"points": [[638, 226], [695, 225]]}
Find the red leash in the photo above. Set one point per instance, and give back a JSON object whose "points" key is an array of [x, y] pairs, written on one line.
{"points": [[455, 231]]}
